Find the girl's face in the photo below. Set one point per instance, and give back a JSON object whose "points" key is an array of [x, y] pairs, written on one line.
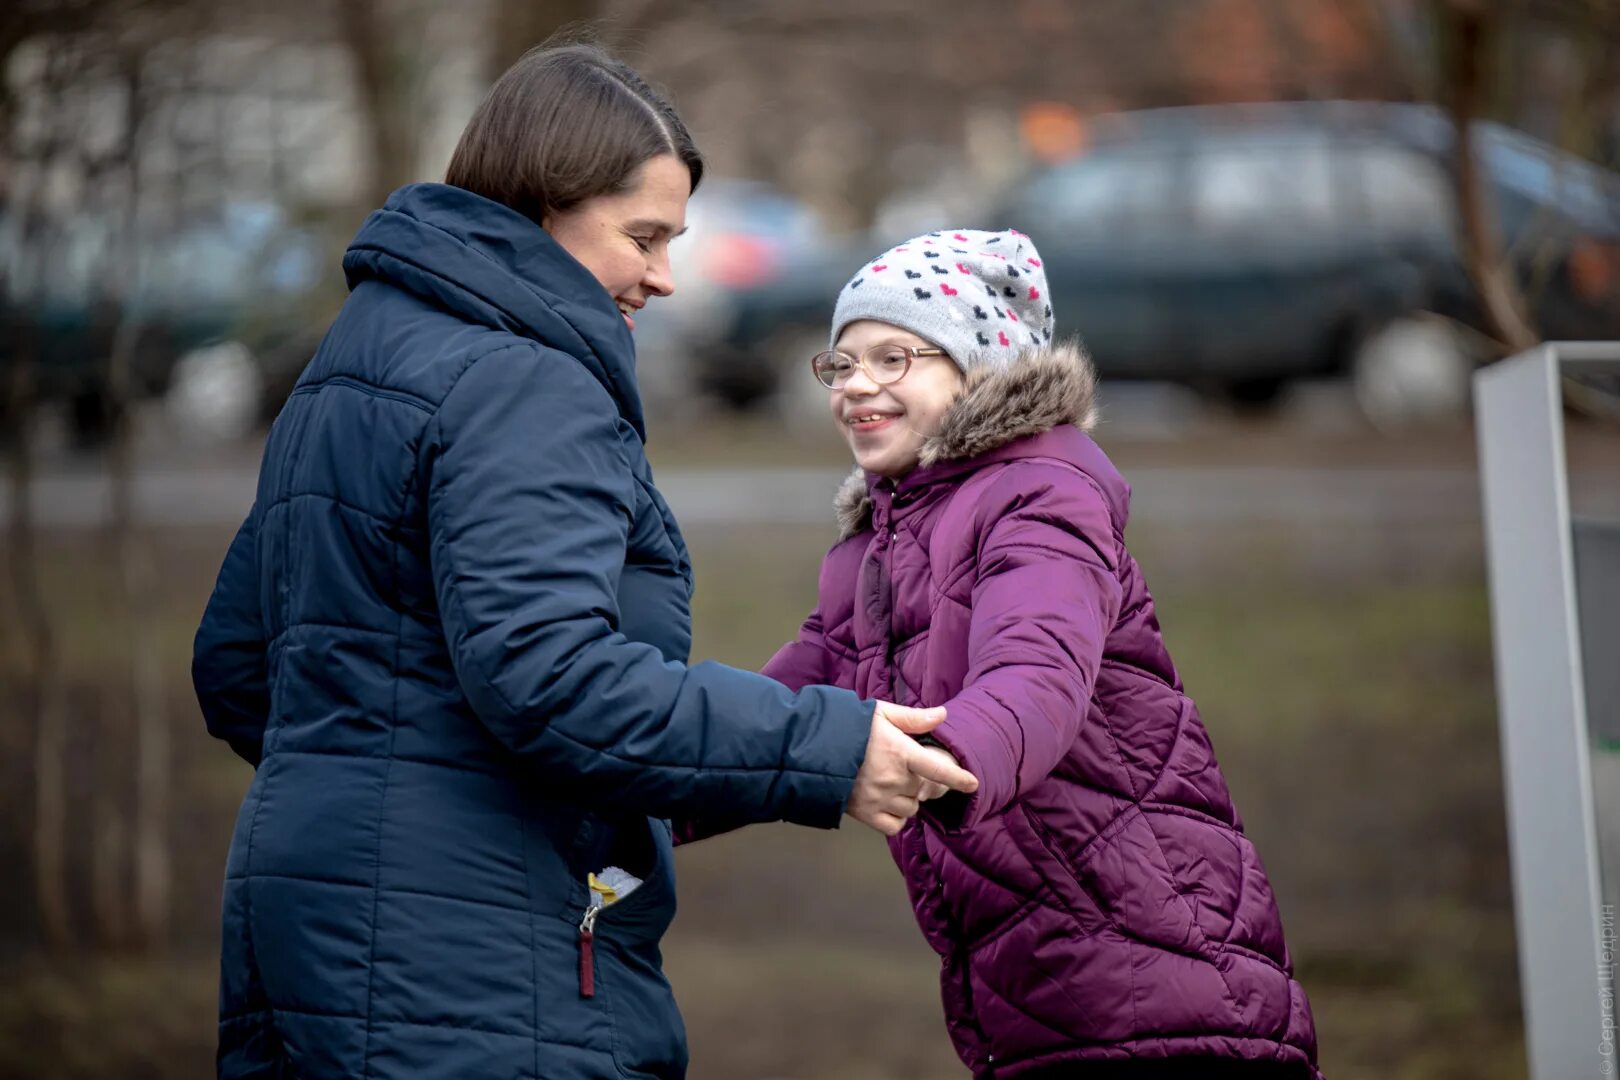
{"points": [[885, 423], [623, 239]]}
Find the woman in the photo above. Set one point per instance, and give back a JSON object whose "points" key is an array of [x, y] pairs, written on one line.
{"points": [[451, 636]]}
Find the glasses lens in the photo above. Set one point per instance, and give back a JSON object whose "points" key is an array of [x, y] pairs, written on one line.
{"points": [[833, 369], [887, 363]]}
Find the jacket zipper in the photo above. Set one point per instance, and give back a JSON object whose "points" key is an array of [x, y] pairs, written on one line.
{"points": [[587, 946], [896, 683], [959, 955], [613, 886]]}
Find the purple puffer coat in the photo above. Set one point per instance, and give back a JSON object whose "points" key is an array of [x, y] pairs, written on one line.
{"points": [[1096, 898]]}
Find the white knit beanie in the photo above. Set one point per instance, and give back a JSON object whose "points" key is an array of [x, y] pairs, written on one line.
{"points": [[980, 296]]}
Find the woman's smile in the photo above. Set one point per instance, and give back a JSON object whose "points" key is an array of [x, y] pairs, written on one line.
{"points": [[628, 308]]}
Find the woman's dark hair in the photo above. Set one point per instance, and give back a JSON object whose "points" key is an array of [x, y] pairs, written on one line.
{"points": [[566, 123]]}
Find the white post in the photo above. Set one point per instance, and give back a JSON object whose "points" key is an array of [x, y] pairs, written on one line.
{"points": [[1546, 746]]}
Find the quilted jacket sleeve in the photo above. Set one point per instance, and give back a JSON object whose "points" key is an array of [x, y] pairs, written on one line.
{"points": [[529, 501], [228, 659], [1044, 598], [824, 651], [805, 661]]}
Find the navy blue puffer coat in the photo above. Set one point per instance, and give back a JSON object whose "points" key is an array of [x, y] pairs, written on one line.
{"points": [[452, 637]]}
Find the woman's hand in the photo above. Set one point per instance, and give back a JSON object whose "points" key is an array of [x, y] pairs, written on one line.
{"points": [[898, 772]]}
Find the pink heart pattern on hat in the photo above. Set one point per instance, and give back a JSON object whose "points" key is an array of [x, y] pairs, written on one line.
{"points": [[1005, 263]]}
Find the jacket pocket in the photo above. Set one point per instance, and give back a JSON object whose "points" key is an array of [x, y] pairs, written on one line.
{"points": [[622, 916], [643, 849]]}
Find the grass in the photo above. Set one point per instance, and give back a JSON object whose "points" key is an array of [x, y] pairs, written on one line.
{"points": [[1351, 710]]}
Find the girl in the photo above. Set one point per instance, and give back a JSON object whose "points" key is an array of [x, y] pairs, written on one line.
{"points": [[1097, 907]]}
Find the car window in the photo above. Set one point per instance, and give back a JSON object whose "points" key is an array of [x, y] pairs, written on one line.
{"points": [[1105, 190], [241, 254], [1262, 184], [1393, 192], [1545, 176], [74, 260], [245, 253]]}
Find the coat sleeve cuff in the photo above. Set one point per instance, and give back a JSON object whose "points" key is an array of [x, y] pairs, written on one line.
{"points": [[972, 736], [819, 800]]}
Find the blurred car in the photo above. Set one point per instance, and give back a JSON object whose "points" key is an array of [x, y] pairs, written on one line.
{"points": [[1234, 249], [216, 306]]}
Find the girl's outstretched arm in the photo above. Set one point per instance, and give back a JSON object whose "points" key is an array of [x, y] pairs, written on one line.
{"points": [[1045, 597]]}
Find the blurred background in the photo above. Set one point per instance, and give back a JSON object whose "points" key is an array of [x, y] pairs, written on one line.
{"points": [[1288, 230]]}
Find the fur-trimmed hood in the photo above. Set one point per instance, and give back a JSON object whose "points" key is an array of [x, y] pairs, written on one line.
{"points": [[1043, 388]]}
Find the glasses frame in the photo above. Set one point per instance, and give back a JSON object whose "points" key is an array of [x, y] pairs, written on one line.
{"points": [[913, 352]]}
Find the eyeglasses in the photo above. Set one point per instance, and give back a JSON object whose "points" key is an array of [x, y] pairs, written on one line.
{"points": [[883, 364]]}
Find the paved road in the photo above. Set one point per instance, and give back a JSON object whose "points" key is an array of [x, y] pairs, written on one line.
{"points": [[217, 496], [180, 487]]}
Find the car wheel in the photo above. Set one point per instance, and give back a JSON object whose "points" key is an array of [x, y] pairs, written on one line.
{"points": [[91, 417], [1258, 395], [1411, 371], [215, 393]]}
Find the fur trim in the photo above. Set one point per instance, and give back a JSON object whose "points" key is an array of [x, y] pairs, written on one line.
{"points": [[853, 504], [1035, 393], [1041, 389]]}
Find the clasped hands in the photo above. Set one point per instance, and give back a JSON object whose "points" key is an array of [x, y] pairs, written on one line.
{"points": [[899, 774]]}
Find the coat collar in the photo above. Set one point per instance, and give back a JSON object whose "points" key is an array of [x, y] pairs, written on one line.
{"points": [[1041, 390], [492, 266]]}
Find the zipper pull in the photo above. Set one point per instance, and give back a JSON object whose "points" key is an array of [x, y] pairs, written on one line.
{"points": [[587, 950]]}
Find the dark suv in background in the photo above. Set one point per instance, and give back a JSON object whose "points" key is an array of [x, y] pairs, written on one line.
{"points": [[1234, 249], [1237, 248]]}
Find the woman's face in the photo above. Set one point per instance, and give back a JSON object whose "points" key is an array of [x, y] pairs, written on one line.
{"points": [[623, 239], [885, 424]]}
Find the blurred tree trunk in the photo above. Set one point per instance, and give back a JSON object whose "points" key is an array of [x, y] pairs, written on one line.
{"points": [[1469, 32], [42, 696], [516, 26], [386, 92], [139, 917], [147, 838]]}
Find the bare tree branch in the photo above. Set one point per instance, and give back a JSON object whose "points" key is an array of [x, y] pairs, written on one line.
{"points": [[383, 88], [516, 26], [1469, 32]]}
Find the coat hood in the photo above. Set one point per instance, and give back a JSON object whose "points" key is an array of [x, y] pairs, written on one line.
{"points": [[1044, 388], [490, 265]]}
